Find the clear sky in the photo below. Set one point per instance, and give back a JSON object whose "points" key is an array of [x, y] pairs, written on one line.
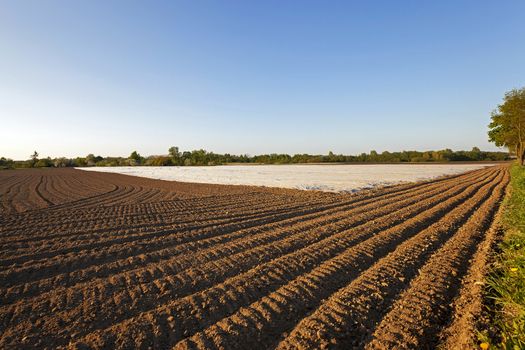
{"points": [[110, 77]]}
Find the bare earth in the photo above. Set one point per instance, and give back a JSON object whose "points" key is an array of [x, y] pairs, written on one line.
{"points": [[100, 260]]}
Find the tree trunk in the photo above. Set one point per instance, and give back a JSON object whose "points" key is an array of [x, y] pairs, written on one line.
{"points": [[521, 154]]}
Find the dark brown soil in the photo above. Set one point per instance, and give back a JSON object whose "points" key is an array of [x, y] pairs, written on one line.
{"points": [[99, 260]]}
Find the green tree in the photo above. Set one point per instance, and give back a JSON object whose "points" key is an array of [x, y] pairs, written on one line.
{"points": [[174, 152], [136, 159], [6, 163], [62, 162], [373, 156], [91, 159], [507, 128], [44, 163], [175, 155], [34, 159], [475, 154]]}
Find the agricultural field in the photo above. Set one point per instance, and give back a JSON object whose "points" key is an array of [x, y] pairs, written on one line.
{"points": [[103, 260]]}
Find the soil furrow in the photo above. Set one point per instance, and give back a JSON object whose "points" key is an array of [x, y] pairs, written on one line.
{"points": [[156, 229], [39, 193], [101, 260], [239, 290], [98, 239], [304, 225], [421, 305], [347, 317], [307, 291], [107, 214]]}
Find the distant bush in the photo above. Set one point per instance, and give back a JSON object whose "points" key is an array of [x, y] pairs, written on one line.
{"points": [[63, 162], [44, 163], [158, 161], [6, 163]]}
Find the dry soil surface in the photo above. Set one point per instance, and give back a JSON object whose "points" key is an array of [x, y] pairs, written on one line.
{"points": [[99, 260]]}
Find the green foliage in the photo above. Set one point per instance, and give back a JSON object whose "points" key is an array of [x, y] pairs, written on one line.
{"points": [[112, 161], [202, 157], [44, 163], [6, 163], [507, 281], [135, 158], [158, 161], [175, 156], [507, 127], [62, 162], [79, 161], [91, 160], [33, 159]]}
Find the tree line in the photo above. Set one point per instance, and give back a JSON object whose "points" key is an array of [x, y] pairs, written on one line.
{"points": [[202, 157], [507, 129]]}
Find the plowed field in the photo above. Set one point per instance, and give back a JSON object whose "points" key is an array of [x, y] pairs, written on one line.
{"points": [[98, 260]]}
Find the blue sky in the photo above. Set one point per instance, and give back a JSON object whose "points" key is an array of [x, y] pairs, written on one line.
{"points": [[110, 77]]}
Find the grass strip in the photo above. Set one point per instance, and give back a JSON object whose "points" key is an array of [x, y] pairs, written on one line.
{"points": [[506, 281]]}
